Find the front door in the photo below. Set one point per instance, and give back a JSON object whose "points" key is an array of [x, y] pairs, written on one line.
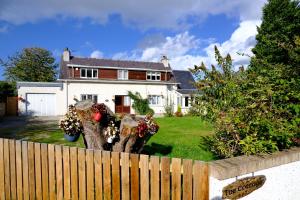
{"points": [[122, 104]]}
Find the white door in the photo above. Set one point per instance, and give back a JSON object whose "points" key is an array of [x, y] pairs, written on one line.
{"points": [[41, 104]]}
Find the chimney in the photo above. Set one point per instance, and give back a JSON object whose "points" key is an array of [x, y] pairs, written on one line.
{"points": [[164, 59], [66, 55]]}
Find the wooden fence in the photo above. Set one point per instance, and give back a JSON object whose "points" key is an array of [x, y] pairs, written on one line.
{"points": [[12, 106], [45, 171]]}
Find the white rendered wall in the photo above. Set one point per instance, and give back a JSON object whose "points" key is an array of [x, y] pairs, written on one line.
{"points": [[106, 92], [282, 183]]}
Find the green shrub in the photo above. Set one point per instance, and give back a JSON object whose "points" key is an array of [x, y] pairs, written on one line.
{"points": [[168, 111], [140, 105], [178, 113]]}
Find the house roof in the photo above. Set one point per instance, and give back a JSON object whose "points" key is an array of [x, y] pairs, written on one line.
{"points": [[185, 79], [109, 63]]}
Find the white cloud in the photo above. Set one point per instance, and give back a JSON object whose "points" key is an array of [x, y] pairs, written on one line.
{"points": [[170, 14], [180, 48], [96, 54]]}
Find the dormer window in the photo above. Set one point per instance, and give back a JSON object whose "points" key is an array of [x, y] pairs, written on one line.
{"points": [[88, 73], [153, 76]]}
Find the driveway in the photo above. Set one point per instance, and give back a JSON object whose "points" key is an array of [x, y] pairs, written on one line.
{"points": [[11, 126]]}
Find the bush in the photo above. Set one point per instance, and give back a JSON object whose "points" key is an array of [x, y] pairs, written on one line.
{"points": [[168, 111], [140, 105], [178, 113]]}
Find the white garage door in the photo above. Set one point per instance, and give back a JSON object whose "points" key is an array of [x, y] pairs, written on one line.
{"points": [[41, 104]]}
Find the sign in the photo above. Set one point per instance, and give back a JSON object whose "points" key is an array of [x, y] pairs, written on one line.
{"points": [[243, 187]]}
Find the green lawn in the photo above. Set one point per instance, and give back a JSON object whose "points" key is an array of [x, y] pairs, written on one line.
{"points": [[180, 137], [177, 137]]}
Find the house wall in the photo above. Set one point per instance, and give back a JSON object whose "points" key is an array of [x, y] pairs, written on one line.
{"points": [[113, 74], [106, 92]]}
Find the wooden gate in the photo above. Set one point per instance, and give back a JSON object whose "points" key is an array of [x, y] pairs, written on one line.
{"points": [[45, 171], [12, 106]]}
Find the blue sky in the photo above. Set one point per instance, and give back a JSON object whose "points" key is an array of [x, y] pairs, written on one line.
{"points": [[185, 31]]}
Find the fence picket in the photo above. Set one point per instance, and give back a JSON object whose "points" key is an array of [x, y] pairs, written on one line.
{"points": [[154, 163], [74, 173], [67, 175], [82, 173], [59, 172], [176, 178], [98, 174], [125, 176], [106, 175], [52, 184], [134, 177], [45, 175], [38, 170], [144, 181], [90, 174], [187, 179], [165, 178], [115, 169], [201, 182], [31, 170], [12, 162], [19, 170]]}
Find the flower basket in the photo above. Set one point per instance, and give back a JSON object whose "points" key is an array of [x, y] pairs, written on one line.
{"points": [[72, 138]]}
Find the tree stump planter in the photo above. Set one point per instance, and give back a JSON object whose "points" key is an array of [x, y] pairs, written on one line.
{"points": [[97, 121]]}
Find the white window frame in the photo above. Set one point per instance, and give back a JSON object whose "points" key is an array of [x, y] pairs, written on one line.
{"points": [[153, 74], [155, 100], [86, 96], [86, 70], [122, 74]]}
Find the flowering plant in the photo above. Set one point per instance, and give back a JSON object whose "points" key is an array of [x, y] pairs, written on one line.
{"points": [[70, 124], [111, 132], [147, 125]]}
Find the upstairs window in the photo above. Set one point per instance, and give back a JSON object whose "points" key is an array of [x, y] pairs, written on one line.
{"points": [[123, 74], [92, 97], [88, 73], [153, 76], [154, 100]]}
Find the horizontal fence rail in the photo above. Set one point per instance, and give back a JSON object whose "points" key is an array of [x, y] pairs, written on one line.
{"points": [[46, 171]]}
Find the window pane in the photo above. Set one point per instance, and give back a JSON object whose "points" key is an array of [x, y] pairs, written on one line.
{"points": [[126, 101], [89, 96], [95, 98], [186, 101], [82, 73], [95, 73], [126, 74], [153, 78], [148, 77], [89, 73], [83, 97]]}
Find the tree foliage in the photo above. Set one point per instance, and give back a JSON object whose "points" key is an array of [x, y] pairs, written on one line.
{"points": [[6, 89], [31, 64], [258, 110]]}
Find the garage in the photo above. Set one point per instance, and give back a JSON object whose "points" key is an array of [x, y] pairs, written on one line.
{"points": [[40, 104]]}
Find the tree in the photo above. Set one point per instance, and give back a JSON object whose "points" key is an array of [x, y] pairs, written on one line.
{"points": [[31, 64], [265, 116], [279, 29], [6, 89]]}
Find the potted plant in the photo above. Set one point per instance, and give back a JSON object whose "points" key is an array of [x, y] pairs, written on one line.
{"points": [[71, 125]]}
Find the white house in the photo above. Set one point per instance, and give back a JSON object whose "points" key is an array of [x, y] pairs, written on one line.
{"points": [[107, 81]]}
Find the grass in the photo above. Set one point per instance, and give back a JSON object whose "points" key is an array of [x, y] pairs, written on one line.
{"points": [[180, 137], [177, 137]]}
